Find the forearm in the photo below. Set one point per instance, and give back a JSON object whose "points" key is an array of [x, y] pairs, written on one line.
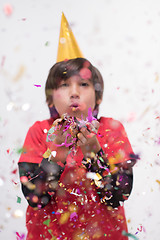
{"points": [[113, 183], [39, 181], [118, 188]]}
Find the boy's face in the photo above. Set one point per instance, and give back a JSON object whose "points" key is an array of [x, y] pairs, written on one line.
{"points": [[74, 96]]}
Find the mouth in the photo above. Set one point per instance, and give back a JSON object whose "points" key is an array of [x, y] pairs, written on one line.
{"points": [[74, 106]]}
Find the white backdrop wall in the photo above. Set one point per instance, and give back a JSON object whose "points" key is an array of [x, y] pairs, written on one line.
{"points": [[121, 38]]}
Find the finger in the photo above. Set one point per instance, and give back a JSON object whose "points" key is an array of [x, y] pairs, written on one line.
{"points": [[81, 139], [96, 124], [91, 128], [85, 132], [57, 121]]}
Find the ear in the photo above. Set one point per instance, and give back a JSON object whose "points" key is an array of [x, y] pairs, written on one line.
{"points": [[51, 105], [98, 102]]}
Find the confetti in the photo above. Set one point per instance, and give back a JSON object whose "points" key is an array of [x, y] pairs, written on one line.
{"points": [[90, 118], [47, 43], [124, 233], [1, 182], [23, 179], [8, 151], [64, 218], [18, 213], [19, 73], [53, 237], [18, 199], [46, 222], [36, 85], [14, 171], [25, 106], [8, 10], [20, 237], [3, 60], [85, 73], [20, 150], [158, 181]]}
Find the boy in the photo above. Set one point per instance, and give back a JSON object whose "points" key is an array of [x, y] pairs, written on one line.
{"points": [[74, 182]]}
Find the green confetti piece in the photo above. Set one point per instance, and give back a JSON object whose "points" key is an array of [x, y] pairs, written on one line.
{"points": [[20, 150], [46, 222], [129, 235], [18, 199], [47, 43], [101, 159], [53, 237]]}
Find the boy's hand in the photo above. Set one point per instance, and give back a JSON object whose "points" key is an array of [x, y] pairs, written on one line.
{"points": [[87, 138], [63, 138], [64, 135]]}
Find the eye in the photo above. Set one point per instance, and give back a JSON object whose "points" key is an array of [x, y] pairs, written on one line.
{"points": [[63, 84], [84, 84]]}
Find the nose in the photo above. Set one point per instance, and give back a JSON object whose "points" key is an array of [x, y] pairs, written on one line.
{"points": [[74, 91]]}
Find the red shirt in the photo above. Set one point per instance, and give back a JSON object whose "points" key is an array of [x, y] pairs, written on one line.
{"points": [[75, 211]]}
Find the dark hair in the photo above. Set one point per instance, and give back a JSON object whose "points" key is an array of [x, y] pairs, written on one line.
{"points": [[65, 69]]}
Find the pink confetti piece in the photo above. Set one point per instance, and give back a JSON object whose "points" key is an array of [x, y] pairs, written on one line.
{"points": [[36, 85], [90, 117], [85, 73], [60, 164], [20, 237], [3, 60], [74, 214], [8, 10], [8, 150], [14, 171]]}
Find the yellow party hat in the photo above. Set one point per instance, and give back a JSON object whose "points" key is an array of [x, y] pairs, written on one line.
{"points": [[67, 47]]}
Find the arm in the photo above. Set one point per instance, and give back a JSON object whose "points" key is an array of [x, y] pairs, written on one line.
{"points": [[113, 183], [39, 182]]}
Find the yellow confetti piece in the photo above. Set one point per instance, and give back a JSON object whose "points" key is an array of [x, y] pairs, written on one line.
{"points": [[158, 181], [120, 217], [19, 73], [73, 208], [64, 218], [80, 235], [47, 153], [99, 176], [108, 130], [157, 78], [92, 155], [98, 234]]}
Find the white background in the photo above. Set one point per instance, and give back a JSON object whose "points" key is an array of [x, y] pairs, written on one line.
{"points": [[122, 39]]}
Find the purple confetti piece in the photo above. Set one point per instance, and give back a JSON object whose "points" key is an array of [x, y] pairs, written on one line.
{"points": [[37, 85]]}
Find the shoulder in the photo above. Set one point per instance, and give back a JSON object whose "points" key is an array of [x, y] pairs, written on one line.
{"points": [[40, 128], [111, 123], [42, 125]]}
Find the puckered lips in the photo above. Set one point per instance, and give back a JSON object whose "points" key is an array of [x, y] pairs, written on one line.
{"points": [[75, 106]]}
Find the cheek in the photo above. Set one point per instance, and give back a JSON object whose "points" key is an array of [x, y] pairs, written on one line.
{"points": [[93, 99], [57, 96]]}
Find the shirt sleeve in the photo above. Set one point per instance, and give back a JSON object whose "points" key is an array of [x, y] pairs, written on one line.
{"points": [[34, 145], [39, 182], [113, 184], [115, 142], [111, 168]]}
